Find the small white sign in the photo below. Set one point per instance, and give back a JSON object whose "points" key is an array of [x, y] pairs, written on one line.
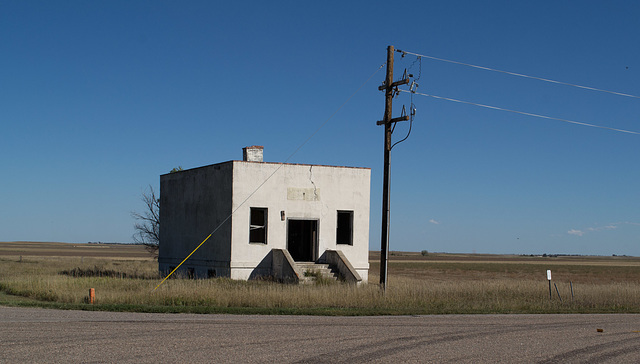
{"points": [[548, 274]]}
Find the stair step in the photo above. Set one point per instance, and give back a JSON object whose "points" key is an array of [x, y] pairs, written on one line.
{"points": [[309, 268], [311, 265]]}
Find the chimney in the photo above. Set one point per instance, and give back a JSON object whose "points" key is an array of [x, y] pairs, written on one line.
{"points": [[252, 153]]}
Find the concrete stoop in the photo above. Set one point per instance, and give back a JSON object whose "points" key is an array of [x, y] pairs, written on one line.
{"points": [[312, 270]]}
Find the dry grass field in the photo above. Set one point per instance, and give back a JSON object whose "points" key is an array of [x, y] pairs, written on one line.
{"points": [[124, 277], [43, 249]]}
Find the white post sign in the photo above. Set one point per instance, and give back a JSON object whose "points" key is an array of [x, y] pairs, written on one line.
{"points": [[548, 274]]}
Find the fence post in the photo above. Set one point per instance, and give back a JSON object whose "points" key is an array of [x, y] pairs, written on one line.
{"points": [[558, 292], [571, 284]]}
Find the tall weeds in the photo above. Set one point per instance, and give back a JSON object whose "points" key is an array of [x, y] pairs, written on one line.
{"points": [[411, 290]]}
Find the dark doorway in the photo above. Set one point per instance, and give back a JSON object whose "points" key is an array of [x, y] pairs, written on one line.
{"points": [[302, 237]]}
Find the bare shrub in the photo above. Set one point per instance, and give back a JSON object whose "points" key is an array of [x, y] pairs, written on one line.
{"points": [[147, 226]]}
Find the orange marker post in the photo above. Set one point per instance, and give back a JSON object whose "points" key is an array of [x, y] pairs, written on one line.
{"points": [[92, 295]]}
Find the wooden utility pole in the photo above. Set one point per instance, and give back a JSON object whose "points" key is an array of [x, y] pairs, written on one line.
{"points": [[388, 122]]}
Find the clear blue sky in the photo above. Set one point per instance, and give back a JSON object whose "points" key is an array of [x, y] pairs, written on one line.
{"points": [[97, 99]]}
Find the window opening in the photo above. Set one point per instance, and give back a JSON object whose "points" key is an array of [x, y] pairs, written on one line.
{"points": [[344, 230], [258, 226]]}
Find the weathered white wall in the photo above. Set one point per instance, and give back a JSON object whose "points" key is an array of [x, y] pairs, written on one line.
{"points": [[192, 204], [302, 192]]}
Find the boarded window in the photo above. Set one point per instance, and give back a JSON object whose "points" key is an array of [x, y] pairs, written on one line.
{"points": [[258, 226], [344, 231]]}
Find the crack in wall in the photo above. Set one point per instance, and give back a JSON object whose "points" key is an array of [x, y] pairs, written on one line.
{"points": [[315, 190]]}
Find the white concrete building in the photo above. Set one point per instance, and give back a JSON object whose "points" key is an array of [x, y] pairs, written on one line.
{"points": [[302, 213]]}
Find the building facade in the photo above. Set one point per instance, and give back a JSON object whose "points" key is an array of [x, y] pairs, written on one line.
{"points": [[257, 207]]}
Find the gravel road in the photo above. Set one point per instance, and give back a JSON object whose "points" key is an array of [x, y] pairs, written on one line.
{"points": [[42, 335]]}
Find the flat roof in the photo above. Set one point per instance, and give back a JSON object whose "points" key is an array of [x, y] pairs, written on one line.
{"points": [[286, 164]]}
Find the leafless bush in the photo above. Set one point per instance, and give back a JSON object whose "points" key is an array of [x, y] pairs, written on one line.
{"points": [[147, 224]]}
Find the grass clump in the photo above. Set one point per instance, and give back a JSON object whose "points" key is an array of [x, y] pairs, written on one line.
{"points": [[97, 271]]}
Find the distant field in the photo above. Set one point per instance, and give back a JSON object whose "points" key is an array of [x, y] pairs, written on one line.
{"points": [[507, 258], [124, 277], [45, 249], [469, 267]]}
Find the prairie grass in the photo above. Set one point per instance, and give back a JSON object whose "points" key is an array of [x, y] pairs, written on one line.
{"points": [[413, 288]]}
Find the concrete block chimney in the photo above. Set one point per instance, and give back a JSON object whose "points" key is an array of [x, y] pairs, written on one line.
{"points": [[253, 153]]}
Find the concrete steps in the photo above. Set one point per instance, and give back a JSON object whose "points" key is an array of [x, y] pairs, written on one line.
{"points": [[312, 271]]}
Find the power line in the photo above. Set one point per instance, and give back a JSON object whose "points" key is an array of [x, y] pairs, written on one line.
{"points": [[522, 75], [272, 174], [524, 113]]}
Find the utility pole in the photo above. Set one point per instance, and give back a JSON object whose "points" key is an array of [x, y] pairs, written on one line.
{"points": [[388, 86]]}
